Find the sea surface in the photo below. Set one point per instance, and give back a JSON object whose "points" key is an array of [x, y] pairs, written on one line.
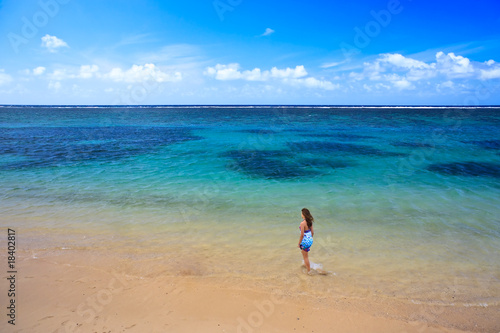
{"points": [[406, 200]]}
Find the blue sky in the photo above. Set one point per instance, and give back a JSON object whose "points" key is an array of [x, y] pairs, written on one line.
{"points": [[250, 52]]}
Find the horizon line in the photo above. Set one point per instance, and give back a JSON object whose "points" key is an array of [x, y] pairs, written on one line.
{"points": [[254, 105]]}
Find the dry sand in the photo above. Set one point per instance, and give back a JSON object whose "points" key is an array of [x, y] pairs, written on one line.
{"points": [[90, 293]]}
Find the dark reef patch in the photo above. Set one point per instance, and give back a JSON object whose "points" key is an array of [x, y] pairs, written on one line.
{"points": [[324, 163], [339, 136], [268, 164], [259, 131], [412, 144], [327, 147], [472, 169], [55, 146], [487, 144]]}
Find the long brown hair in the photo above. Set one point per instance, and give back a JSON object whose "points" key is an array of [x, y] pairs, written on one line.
{"points": [[308, 217]]}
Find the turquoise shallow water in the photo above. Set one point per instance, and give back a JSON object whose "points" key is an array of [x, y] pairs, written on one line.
{"points": [[406, 200]]}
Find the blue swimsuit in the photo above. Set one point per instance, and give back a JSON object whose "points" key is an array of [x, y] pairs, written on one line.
{"points": [[307, 241]]}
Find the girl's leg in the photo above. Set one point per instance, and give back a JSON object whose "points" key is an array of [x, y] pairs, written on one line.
{"points": [[305, 254]]}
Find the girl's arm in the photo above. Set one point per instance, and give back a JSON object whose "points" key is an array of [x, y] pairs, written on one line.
{"points": [[301, 233], [312, 231]]}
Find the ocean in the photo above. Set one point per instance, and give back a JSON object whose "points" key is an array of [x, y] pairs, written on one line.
{"points": [[405, 199]]}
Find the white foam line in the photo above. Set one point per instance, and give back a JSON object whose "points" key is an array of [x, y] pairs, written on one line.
{"points": [[247, 107]]}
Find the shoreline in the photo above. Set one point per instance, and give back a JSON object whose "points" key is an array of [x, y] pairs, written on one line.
{"points": [[245, 256], [98, 291]]}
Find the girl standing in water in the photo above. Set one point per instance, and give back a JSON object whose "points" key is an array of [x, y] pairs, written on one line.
{"points": [[306, 236]]}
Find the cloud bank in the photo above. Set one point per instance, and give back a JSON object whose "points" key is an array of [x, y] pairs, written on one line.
{"points": [[404, 73], [135, 74], [291, 76], [446, 76]]}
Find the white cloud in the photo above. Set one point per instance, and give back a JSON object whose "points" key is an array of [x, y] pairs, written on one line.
{"points": [[399, 60], [225, 72], [298, 71], [136, 73], [453, 66], [403, 84], [39, 70], [4, 78], [417, 70], [232, 72], [268, 32], [52, 43], [395, 63], [404, 72], [88, 71], [449, 65], [142, 73], [292, 76], [312, 82], [488, 74], [253, 75]]}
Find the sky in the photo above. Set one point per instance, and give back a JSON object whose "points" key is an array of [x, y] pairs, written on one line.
{"points": [[127, 52]]}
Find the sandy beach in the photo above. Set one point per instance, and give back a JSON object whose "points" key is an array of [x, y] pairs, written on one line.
{"points": [[77, 291]]}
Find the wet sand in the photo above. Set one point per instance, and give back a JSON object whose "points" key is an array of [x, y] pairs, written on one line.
{"points": [[81, 291]]}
